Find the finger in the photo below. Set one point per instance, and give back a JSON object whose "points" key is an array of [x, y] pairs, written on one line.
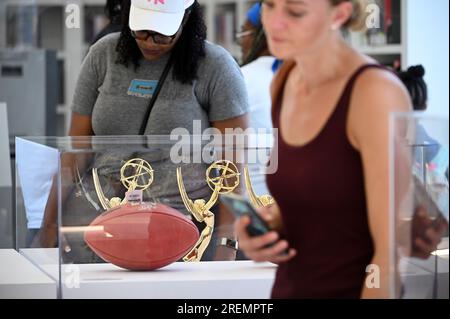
{"points": [[259, 242], [240, 226], [433, 236], [270, 253], [442, 227], [275, 250], [424, 249], [284, 257], [265, 214], [248, 243], [421, 212], [425, 221], [241, 229]]}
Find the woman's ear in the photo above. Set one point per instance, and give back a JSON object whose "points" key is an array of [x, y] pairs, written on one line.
{"points": [[342, 13]]}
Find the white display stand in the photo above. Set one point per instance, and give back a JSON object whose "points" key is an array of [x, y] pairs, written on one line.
{"points": [[418, 283], [20, 279], [417, 276], [203, 280]]}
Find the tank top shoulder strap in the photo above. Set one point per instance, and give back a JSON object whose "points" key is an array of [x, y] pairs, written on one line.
{"points": [[344, 101], [277, 88]]}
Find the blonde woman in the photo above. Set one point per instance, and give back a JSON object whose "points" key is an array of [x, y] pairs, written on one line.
{"points": [[331, 105]]}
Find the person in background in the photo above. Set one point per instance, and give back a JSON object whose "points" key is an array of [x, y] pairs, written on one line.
{"points": [[120, 76], [413, 79], [258, 68], [434, 154], [428, 151], [331, 105], [113, 11]]}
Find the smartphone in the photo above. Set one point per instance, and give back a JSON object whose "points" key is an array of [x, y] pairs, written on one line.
{"points": [[239, 206]]}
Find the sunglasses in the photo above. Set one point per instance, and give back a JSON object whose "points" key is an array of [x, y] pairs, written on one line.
{"points": [[239, 36], [242, 34], [156, 37]]}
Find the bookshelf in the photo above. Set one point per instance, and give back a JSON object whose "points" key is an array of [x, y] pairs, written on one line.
{"points": [[384, 42], [49, 20], [419, 35], [223, 19]]}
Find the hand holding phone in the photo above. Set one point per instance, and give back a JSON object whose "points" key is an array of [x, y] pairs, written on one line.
{"points": [[428, 224], [239, 206]]}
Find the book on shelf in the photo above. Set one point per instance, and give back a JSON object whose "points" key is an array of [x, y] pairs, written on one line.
{"points": [[94, 25], [21, 26], [394, 28], [388, 31], [225, 28]]}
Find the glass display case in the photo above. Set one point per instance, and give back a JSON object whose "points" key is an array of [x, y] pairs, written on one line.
{"points": [[141, 216], [419, 206], [98, 214]]}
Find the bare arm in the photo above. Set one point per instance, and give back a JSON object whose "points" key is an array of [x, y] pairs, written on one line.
{"points": [[81, 125], [377, 94], [255, 248]]}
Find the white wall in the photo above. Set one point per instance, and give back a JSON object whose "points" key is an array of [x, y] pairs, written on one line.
{"points": [[5, 162], [427, 41], [6, 229]]}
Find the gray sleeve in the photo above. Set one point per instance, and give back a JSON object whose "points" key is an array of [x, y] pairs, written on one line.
{"points": [[227, 93], [88, 83]]}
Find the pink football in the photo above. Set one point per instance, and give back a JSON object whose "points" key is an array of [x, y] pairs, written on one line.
{"points": [[141, 237]]}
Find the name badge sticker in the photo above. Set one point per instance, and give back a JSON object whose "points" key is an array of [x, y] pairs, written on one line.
{"points": [[142, 88]]}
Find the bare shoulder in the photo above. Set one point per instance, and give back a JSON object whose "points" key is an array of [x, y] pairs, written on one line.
{"points": [[377, 93], [379, 90]]}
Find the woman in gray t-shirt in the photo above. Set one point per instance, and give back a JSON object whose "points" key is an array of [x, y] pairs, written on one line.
{"points": [[117, 80]]}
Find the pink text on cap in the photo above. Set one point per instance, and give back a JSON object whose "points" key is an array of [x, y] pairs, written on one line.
{"points": [[166, 6]]}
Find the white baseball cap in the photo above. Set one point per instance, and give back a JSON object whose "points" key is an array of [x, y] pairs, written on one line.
{"points": [[162, 16]]}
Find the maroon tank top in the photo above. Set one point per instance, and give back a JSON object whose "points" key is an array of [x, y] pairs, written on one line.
{"points": [[320, 190]]}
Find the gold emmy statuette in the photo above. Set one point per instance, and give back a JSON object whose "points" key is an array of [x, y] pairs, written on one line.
{"points": [[200, 209], [257, 201], [136, 175]]}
